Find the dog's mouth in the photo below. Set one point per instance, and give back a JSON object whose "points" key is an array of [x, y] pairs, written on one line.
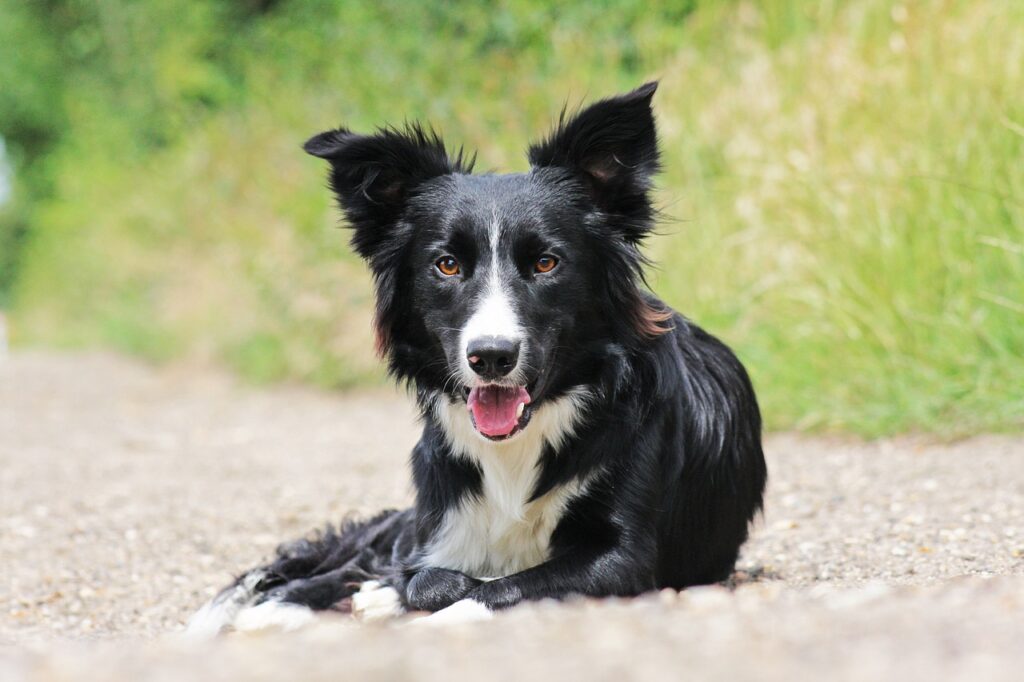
{"points": [[498, 412]]}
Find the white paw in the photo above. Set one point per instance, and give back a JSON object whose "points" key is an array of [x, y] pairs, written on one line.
{"points": [[209, 621], [463, 611], [273, 615], [376, 602], [219, 613]]}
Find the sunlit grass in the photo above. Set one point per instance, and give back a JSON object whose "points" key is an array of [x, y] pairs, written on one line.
{"points": [[851, 200]]}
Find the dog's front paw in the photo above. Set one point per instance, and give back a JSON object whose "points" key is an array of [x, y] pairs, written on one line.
{"points": [[433, 589]]}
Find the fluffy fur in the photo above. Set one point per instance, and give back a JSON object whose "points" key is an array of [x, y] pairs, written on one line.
{"points": [[635, 463]]}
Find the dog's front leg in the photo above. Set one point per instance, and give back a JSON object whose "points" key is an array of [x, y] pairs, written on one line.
{"points": [[619, 571], [615, 572]]}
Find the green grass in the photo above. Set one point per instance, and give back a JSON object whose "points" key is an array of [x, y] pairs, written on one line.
{"points": [[844, 186], [852, 205]]}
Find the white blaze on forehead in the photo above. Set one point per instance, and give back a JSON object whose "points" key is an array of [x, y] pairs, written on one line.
{"points": [[494, 314]]}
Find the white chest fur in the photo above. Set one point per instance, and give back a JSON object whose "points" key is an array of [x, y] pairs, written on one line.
{"points": [[498, 532]]}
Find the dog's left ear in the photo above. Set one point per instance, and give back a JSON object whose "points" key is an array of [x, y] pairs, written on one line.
{"points": [[612, 146], [374, 175]]}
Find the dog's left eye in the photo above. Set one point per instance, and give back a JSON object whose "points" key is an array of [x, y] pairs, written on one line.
{"points": [[545, 263]]}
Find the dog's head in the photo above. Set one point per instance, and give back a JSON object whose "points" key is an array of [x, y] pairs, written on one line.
{"points": [[505, 290]]}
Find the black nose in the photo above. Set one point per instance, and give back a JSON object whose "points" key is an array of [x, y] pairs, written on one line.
{"points": [[492, 357]]}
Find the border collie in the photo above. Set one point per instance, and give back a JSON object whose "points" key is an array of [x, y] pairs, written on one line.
{"points": [[579, 437]]}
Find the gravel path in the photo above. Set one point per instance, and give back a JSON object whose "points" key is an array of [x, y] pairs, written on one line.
{"points": [[127, 495]]}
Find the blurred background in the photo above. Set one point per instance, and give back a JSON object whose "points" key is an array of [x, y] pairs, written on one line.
{"points": [[843, 186]]}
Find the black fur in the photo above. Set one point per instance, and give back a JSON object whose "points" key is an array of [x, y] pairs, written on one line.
{"points": [[670, 443]]}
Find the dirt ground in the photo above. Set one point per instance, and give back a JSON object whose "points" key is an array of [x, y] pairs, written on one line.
{"points": [[128, 495]]}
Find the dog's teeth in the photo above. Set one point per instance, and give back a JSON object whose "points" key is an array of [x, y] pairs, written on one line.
{"points": [[519, 410]]}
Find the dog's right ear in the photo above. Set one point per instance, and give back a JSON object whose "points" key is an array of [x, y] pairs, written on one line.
{"points": [[373, 175]]}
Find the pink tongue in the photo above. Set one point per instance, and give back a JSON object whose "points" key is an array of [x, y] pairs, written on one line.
{"points": [[494, 408]]}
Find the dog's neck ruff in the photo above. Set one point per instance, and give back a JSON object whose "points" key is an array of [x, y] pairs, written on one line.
{"points": [[499, 531]]}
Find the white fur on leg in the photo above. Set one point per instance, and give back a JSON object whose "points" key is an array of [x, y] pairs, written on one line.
{"points": [[463, 611], [376, 602], [274, 615]]}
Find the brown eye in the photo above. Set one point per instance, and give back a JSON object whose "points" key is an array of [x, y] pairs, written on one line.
{"points": [[545, 263], [448, 266]]}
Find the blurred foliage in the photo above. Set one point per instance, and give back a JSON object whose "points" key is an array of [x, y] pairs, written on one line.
{"points": [[844, 179]]}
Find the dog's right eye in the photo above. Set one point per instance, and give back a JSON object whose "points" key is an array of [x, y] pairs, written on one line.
{"points": [[545, 264], [447, 266]]}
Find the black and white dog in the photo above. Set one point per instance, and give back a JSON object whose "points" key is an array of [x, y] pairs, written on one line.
{"points": [[579, 438]]}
